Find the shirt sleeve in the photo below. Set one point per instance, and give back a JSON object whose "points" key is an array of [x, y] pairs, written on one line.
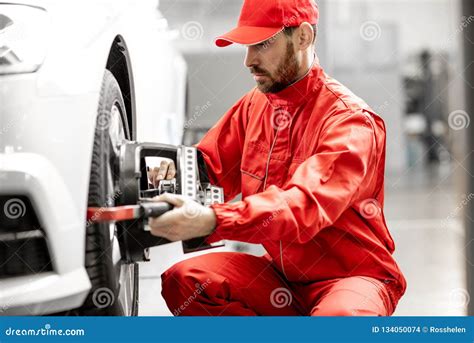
{"points": [[320, 190], [222, 148]]}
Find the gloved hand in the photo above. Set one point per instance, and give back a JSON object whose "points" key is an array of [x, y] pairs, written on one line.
{"points": [[187, 220]]}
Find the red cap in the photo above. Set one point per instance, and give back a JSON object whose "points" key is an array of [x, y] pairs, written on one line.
{"points": [[262, 19]]}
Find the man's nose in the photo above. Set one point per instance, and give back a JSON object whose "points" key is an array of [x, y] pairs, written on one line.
{"points": [[251, 59]]}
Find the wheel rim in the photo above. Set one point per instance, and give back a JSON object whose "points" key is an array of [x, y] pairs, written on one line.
{"points": [[124, 272]]}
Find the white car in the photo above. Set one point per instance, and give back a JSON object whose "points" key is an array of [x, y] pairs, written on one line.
{"points": [[76, 79]]}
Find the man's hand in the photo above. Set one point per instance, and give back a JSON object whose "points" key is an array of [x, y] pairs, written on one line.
{"points": [[166, 171], [187, 220]]}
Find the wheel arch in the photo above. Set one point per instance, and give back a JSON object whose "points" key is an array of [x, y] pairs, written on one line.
{"points": [[119, 64]]}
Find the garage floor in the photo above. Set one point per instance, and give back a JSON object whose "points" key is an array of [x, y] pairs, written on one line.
{"points": [[420, 208]]}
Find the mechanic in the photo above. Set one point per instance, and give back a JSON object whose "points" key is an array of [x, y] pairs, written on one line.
{"points": [[308, 157]]}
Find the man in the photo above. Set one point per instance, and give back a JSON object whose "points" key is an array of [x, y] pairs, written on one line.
{"points": [[308, 157]]}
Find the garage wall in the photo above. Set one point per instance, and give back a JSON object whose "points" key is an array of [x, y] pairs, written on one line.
{"points": [[372, 69]]}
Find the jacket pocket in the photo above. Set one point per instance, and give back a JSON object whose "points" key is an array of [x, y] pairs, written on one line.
{"points": [[252, 168]]}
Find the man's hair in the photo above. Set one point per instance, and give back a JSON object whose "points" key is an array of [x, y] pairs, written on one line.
{"points": [[288, 31]]}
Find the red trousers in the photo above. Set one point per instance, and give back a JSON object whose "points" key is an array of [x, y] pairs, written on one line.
{"points": [[237, 284]]}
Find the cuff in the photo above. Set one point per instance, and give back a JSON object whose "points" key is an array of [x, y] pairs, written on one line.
{"points": [[225, 220]]}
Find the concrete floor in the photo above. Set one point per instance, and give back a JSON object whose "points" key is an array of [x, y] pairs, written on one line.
{"points": [[424, 216], [422, 211]]}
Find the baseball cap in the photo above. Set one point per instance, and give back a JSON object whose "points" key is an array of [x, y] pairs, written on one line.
{"points": [[262, 19]]}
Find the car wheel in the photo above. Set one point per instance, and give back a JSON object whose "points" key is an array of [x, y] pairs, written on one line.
{"points": [[114, 283]]}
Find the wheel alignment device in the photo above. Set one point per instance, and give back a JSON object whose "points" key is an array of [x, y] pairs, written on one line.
{"points": [[134, 197]]}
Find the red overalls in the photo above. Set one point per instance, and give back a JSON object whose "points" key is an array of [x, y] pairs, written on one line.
{"points": [[309, 162]]}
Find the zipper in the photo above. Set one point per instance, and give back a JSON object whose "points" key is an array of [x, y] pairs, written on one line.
{"points": [[264, 187], [281, 259]]}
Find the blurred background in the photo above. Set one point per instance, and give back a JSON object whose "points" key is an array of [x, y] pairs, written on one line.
{"points": [[405, 58]]}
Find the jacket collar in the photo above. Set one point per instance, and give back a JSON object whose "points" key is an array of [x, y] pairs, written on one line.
{"points": [[298, 91]]}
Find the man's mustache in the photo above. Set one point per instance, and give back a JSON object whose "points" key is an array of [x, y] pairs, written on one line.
{"points": [[257, 70]]}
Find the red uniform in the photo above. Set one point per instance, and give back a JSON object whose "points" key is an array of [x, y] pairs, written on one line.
{"points": [[309, 162]]}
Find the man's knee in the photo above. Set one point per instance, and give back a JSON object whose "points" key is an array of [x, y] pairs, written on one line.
{"points": [[180, 275], [344, 306], [212, 267], [186, 283], [184, 278]]}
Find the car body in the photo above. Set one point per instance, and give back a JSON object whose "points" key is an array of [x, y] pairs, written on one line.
{"points": [[47, 121]]}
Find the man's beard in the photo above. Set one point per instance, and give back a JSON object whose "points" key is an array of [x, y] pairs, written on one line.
{"points": [[285, 75]]}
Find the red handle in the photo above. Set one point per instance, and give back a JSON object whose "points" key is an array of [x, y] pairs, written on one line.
{"points": [[129, 212]]}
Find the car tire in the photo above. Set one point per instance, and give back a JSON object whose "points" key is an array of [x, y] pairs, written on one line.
{"points": [[114, 290]]}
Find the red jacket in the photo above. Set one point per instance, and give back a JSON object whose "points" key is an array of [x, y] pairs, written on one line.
{"points": [[312, 188]]}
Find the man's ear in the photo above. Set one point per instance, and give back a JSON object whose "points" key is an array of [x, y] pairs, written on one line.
{"points": [[305, 36]]}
